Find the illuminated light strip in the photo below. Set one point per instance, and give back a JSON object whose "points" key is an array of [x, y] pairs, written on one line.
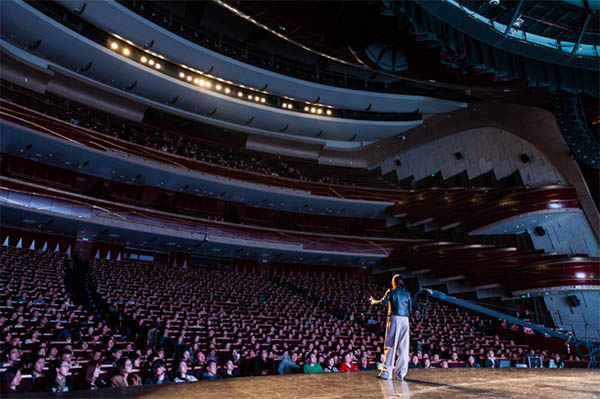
{"points": [[201, 79]]}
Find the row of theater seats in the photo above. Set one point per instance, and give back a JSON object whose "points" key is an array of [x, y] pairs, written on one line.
{"points": [[186, 204], [184, 143], [156, 311], [285, 311]]}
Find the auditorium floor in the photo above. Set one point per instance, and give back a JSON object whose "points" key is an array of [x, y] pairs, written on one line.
{"points": [[430, 384]]}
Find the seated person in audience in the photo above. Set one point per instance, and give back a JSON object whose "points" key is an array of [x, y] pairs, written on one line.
{"points": [[212, 355], [235, 357], [415, 363], [12, 357], [10, 380], [67, 355], [229, 367], [347, 365], [454, 357], [199, 359], [381, 361], [182, 373], [123, 375], [211, 371], [115, 355], [311, 366], [427, 364], [364, 363], [260, 364], [330, 365], [37, 369], [444, 364], [471, 363], [90, 377], [58, 379], [490, 361], [96, 356], [157, 374], [556, 362], [288, 364]]}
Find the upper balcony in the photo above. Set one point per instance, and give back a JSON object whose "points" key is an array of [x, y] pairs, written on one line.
{"points": [[329, 116]]}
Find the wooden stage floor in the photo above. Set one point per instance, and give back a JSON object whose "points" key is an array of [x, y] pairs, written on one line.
{"points": [[419, 384]]}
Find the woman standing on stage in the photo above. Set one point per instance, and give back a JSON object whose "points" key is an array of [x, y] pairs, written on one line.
{"points": [[397, 335]]}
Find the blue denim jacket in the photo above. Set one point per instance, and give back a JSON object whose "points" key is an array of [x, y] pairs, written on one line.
{"points": [[400, 302]]}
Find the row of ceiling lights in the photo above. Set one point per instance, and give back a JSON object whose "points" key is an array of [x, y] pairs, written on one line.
{"points": [[230, 89]]}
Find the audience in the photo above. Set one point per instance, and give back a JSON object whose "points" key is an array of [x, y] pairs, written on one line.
{"points": [[490, 361], [183, 141], [211, 371], [59, 378], [182, 373], [157, 374], [311, 366], [471, 362], [11, 380], [347, 365], [124, 375], [159, 318], [288, 364], [90, 377]]}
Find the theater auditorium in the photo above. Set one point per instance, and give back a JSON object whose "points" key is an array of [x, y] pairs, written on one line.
{"points": [[299, 199]]}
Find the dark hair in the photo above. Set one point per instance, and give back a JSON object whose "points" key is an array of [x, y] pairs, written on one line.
{"points": [[120, 365], [209, 362], [10, 349], [34, 360], [65, 352], [7, 378], [398, 282], [178, 372], [88, 372], [155, 366]]}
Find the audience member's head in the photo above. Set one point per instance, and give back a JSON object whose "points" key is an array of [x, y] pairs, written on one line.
{"points": [[10, 380]]}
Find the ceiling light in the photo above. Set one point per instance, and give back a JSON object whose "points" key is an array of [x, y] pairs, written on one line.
{"points": [[218, 87], [126, 51], [157, 66], [306, 109], [114, 46], [262, 100], [181, 75], [328, 112], [144, 59], [319, 111], [313, 110], [227, 90], [284, 105], [196, 81], [151, 62], [239, 94], [290, 106], [202, 83], [208, 84], [256, 98], [580, 275], [249, 96], [189, 78]]}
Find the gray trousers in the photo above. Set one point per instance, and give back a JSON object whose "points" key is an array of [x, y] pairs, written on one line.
{"points": [[397, 338]]}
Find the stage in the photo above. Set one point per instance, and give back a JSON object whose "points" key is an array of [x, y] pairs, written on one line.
{"points": [[420, 383]]}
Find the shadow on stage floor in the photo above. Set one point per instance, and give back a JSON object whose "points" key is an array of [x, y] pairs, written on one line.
{"points": [[419, 384]]}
